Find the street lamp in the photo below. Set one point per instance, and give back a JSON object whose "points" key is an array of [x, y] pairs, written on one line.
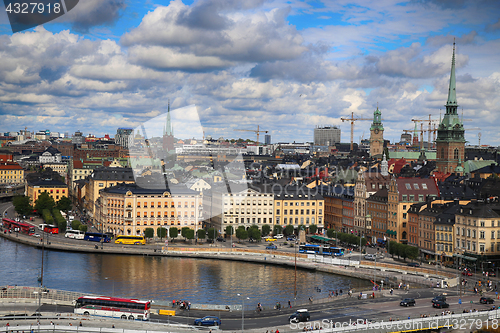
{"points": [[295, 289], [242, 312]]}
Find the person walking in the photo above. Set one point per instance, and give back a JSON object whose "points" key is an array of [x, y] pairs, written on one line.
{"points": [[289, 304]]}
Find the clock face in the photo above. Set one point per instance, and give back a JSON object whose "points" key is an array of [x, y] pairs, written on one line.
{"points": [[376, 131]]}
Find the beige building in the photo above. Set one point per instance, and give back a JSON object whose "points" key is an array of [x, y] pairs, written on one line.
{"points": [[11, 173], [59, 167], [127, 209], [55, 188], [242, 207]]}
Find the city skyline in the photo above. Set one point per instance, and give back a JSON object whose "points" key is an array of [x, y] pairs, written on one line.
{"points": [[286, 66]]}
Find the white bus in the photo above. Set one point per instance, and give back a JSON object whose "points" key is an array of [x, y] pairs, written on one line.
{"points": [[75, 234], [131, 309]]}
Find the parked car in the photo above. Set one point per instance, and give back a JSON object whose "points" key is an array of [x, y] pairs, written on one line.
{"points": [[414, 264], [270, 239], [492, 273], [207, 321], [299, 315], [221, 239], [271, 247], [467, 273], [291, 238], [407, 302], [486, 300], [370, 257], [440, 304], [279, 236], [440, 298]]}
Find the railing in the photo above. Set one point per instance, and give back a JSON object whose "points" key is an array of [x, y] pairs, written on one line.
{"points": [[43, 294]]}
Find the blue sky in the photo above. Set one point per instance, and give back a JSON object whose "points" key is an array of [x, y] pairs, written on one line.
{"points": [[287, 66]]}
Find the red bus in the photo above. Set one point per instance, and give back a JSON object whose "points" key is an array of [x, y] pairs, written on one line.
{"points": [[51, 229], [21, 227], [132, 309]]}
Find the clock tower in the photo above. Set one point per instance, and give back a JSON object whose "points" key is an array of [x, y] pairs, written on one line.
{"points": [[377, 134]]}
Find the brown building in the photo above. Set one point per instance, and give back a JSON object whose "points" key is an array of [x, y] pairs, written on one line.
{"points": [[376, 208]]}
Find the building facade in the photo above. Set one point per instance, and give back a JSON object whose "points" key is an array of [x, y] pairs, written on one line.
{"points": [[326, 136], [55, 188], [11, 173], [127, 209], [377, 134]]}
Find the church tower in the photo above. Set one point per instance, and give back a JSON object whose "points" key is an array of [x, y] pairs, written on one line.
{"points": [[377, 134], [168, 133], [450, 141]]}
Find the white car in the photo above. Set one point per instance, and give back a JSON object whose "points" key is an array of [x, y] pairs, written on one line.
{"points": [[36, 235], [279, 236]]}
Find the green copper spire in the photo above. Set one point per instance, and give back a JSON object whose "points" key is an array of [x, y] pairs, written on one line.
{"points": [[452, 93], [377, 120]]}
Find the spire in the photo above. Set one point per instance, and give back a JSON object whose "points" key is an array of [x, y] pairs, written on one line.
{"points": [[452, 94], [168, 126]]}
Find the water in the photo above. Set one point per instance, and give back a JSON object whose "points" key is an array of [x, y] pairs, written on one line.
{"points": [[163, 279]]}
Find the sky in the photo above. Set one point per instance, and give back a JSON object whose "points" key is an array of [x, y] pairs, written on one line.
{"points": [[285, 66]]}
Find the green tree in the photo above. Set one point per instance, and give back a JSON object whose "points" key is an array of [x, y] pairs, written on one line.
{"points": [[47, 217], [277, 229], [44, 201], [22, 205], [161, 233], [229, 230], [254, 233], [173, 232], [386, 151], [313, 228], [149, 232], [184, 232], [212, 233], [75, 224], [241, 233], [330, 233], [201, 233], [60, 220], [189, 234], [412, 252], [82, 227], [266, 229], [288, 230], [64, 204]]}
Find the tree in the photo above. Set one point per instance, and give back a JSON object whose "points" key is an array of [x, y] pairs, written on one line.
{"points": [[313, 228], [149, 232], [241, 233], [44, 201], [229, 230], [64, 204], [330, 233], [277, 229], [75, 225], [47, 217], [288, 230], [184, 232], [266, 228], [201, 233], [173, 232], [60, 220], [161, 232], [412, 252], [189, 234], [386, 151], [22, 205], [82, 227], [212, 233], [254, 233]]}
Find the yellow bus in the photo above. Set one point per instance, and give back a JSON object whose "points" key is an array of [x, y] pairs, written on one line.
{"points": [[130, 240]]}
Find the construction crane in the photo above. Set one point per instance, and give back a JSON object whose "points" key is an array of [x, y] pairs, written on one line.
{"points": [[352, 120], [255, 131], [434, 130]]}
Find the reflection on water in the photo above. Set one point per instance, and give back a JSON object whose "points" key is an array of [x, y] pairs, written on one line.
{"points": [[164, 279]]}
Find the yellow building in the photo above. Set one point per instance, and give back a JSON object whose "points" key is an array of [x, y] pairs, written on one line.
{"points": [[55, 188], [127, 209], [11, 173], [298, 205], [103, 178]]}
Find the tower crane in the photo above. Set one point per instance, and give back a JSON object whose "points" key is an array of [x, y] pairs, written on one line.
{"points": [[255, 131], [352, 120]]}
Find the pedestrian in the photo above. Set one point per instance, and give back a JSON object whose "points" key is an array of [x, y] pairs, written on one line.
{"points": [[113, 326], [289, 304], [81, 324], [173, 303]]}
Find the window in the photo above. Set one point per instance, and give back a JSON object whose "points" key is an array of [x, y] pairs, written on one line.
{"points": [[408, 186], [415, 186], [481, 234], [420, 197], [424, 186], [405, 197], [455, 154], [473, 233], [493, 235]]}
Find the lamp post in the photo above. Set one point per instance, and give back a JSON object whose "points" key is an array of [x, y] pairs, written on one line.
{"points": [[295, 288], [242, 312]]}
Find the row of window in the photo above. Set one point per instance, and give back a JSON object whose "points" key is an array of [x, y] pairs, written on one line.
{"points": [[290, 212], [248, 202], [482, 223], [307, 203]]}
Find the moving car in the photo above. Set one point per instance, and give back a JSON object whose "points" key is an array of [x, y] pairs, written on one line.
{"points": [[291, 238], [440, 298], [299, 315], [467, 273], [279, 236], [486, 300], [271, 247], [207, 321], [407, 302], [414, 264], [370, 257], [440, 304], [221, 239], [270, 239]]}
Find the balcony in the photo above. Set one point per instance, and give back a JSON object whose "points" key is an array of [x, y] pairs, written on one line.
{"points": [[129, 219], [128, 209]]}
